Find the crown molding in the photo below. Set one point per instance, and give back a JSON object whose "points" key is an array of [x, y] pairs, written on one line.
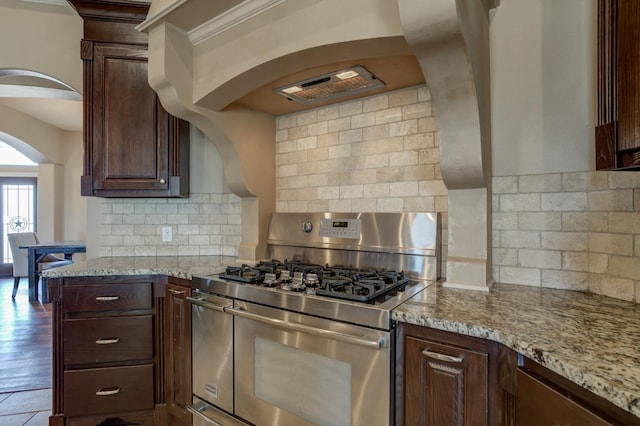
{"points": [[231, 18]]}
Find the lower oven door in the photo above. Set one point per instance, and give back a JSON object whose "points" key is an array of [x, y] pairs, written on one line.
{"points": [[205, 414], [293, 369], [212, 350]]}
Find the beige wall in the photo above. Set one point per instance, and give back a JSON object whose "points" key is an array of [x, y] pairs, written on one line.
{"points": [[46, 40], [61, 210], [543, 86], [557, 223]]}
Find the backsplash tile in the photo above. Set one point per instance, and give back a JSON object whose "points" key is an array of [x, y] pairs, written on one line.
{"points": [[203, 224], [578, 231]]}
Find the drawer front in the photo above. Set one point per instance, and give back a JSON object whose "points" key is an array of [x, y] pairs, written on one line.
{"points": [[108, 390], [107, 297], [540, 404], [108, 339]]}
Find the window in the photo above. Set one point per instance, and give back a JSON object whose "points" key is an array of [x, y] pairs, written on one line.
{"points": [[18, 206]]}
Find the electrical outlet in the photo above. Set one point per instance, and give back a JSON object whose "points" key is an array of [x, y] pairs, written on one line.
{"points": [[166, 233]]}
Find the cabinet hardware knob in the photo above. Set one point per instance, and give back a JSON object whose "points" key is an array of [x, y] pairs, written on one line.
{"points": [[442, 357], [108, 391], [107, 298], [109, 341], [162, 181]]}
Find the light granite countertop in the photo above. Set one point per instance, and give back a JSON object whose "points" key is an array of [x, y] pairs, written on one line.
{"points": [[591, 340], [173, 266]]}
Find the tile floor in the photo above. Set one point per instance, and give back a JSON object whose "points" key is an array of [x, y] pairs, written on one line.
{"points": [[27, 408]]}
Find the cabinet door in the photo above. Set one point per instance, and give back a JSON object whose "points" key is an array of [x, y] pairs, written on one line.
{"points": [[178, 353], [133, 147], [130, 127], [444, 385]]}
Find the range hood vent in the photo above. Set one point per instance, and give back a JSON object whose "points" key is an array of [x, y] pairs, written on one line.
{"points": [[332, 85]]}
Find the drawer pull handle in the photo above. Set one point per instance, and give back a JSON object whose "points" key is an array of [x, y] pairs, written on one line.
{"points": [[172, 291], [109, 341], [108, 391], [442, 357], [107, 298]]}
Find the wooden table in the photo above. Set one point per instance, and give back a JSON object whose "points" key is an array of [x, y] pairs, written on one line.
{"points": [[36, 252]]}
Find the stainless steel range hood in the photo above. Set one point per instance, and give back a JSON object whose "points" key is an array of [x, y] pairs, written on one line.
{"points": [[216, 64]]}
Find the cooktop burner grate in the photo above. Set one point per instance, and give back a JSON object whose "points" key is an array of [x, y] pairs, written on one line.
{"points": [[365, 285]]}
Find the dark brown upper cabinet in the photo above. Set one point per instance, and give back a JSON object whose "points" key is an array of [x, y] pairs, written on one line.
{"points": [[132, 146], [618, 129]]}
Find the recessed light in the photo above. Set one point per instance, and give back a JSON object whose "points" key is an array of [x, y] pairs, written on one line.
{"points": [[346, 74], [292, 89]]}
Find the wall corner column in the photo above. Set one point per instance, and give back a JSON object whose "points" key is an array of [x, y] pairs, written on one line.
{"points": [[450, 39]]}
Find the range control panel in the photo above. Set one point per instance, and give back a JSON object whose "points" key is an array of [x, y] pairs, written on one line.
{"points": [[341, 228]]}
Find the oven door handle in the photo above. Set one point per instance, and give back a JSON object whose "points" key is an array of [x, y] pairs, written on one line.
{"points": [[334, 335], [193, 410], [200, 301]]}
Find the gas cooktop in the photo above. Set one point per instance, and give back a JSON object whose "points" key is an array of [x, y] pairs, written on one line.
{"points": [[365, 285]]}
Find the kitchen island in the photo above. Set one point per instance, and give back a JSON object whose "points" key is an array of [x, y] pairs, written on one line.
{"points": [[589, 339], [122, 339]]}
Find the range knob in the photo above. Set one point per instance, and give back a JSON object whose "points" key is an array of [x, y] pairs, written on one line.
{"points": [[307, 226]]}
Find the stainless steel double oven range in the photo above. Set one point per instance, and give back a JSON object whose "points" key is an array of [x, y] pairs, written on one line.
{"points": [[306, 337]]}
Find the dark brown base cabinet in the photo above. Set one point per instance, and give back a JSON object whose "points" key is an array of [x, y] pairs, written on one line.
{"points": [[446, 379], [121, 351]]}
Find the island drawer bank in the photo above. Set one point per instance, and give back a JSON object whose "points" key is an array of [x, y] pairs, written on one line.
{"points": [[583, 339]]}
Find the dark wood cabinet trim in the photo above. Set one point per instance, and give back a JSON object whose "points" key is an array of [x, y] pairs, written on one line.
{"points": [[113, 10], [617, 133], [177, 338], [159, 289], [57, 368]]}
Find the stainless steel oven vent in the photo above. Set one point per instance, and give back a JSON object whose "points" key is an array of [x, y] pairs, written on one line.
{"points": [[332, 85]]}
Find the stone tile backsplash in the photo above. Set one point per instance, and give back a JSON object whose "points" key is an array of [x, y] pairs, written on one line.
{"points": [[375, 154], [203, 224], [577, 231]]}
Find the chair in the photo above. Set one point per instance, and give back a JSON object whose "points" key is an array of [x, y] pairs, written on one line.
{"points": [[21, 258]]}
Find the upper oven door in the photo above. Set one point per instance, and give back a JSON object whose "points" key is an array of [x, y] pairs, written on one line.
{"points": [[295, 370]]}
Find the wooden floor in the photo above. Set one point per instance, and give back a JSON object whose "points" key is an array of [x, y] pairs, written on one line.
{"points": [[25, 340]]}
